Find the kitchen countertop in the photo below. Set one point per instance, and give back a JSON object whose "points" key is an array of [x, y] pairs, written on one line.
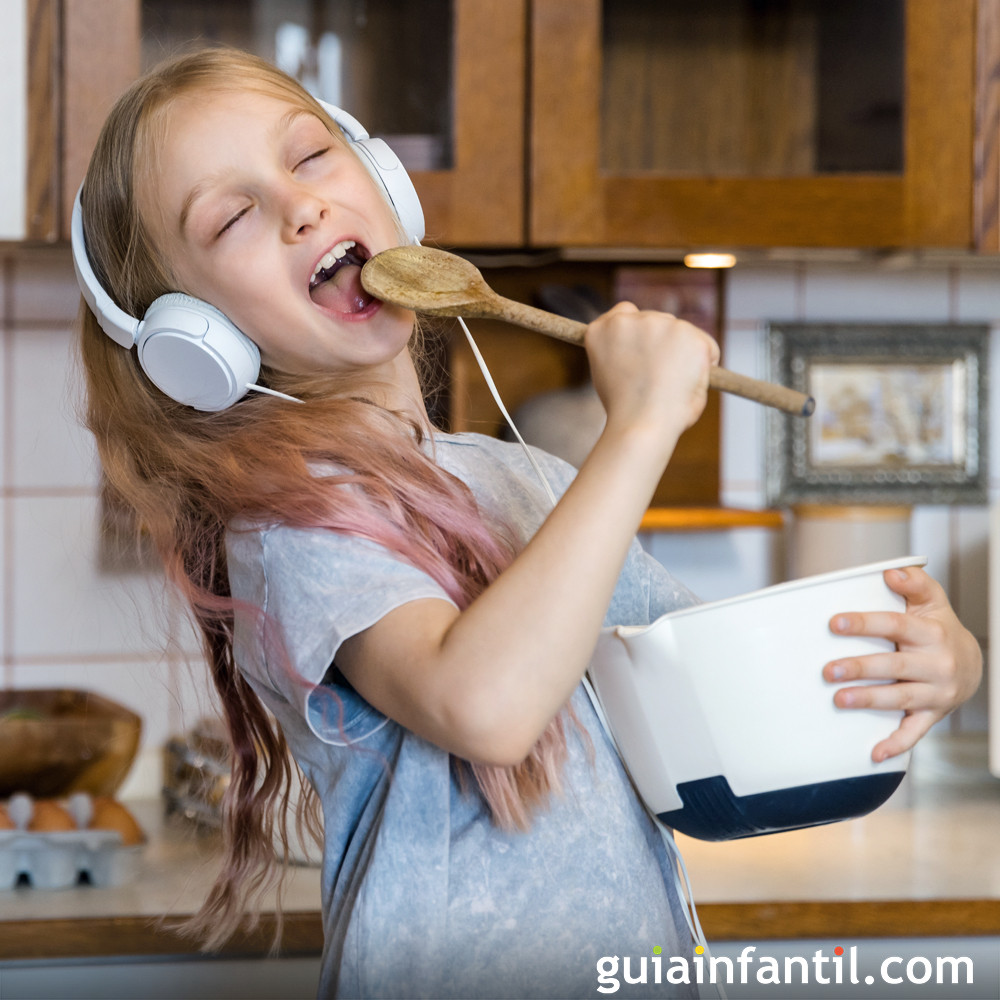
{"points": [[926, 864]]}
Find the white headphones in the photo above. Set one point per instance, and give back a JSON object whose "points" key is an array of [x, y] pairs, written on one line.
{"points": [[189, 349]]}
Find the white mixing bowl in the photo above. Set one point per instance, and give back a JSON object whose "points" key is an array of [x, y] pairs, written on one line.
{"points": [[725, 722]]}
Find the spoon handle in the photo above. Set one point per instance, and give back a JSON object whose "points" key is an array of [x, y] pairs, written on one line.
{"points": [[562, 328]]}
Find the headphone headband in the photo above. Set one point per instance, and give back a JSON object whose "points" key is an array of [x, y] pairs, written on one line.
{"points": [[115, 322]]}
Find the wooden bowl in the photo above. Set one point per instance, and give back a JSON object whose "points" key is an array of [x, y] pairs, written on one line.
{"points": [[56, 741]]}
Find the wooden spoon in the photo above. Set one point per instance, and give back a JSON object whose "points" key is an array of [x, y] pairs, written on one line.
{"points": [[437, 283]]}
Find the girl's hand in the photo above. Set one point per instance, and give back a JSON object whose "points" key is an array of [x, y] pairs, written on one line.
{"points": [[936, 665], [650, 369]]}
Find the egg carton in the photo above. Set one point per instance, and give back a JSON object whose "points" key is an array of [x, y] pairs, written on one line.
{"points": [[59, 859], [63, 858]]}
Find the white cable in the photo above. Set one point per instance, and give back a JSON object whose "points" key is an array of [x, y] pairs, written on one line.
{"points": [[272, 392], [682, 880], [481, 361]]}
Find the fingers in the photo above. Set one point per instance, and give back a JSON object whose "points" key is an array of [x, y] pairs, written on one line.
{"points": [[910, 730], [621, 308], [916, 585], [649, 368], [898, 627], [902, 696], [891, 665]]}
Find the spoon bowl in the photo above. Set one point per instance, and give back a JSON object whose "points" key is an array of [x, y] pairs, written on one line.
{"points": [[428, 281]]}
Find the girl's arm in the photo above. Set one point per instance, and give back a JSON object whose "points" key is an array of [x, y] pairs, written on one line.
{"points": [[485, 682], [937, 663]]}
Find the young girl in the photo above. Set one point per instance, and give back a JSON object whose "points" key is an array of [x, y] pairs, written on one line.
{"points": [[401, 605]]}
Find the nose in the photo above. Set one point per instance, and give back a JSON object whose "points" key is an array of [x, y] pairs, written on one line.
{"points": [[302, 210]]}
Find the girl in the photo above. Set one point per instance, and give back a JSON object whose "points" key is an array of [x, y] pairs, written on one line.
{"points": [[401, 605]]}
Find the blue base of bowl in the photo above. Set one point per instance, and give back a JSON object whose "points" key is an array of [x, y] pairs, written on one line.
{"points": [[712, 812]]}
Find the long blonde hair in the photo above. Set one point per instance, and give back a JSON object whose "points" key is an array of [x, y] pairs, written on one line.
{"points": [[188, 474]]}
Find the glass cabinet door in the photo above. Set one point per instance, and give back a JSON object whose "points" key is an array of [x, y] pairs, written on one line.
{"points": [[442, 81], [773, 88], [753, 122]]}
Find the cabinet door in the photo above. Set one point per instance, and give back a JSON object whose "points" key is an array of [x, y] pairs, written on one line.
{"points": [[479, 199], [729, 123], [13, 123], [442, 81], [99, 59], [64, 62], [29, 125]]}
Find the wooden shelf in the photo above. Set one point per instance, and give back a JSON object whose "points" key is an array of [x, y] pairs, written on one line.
{"points": [[708, 519]]}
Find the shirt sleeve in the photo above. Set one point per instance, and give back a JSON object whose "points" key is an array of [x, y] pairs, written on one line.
{"points": [[300, 593], [646, 590]]}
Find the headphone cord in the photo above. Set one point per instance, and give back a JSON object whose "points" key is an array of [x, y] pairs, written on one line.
{"points": [[272, 392], [682, 880]]}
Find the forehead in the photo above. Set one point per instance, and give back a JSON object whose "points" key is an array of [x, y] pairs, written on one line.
{"points": [[200, 137], [209, 123]]}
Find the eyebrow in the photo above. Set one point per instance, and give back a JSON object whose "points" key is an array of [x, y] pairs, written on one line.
{"points": [[205, 184]]}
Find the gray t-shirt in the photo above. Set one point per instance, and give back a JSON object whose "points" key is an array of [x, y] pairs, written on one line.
{"points": [[422, 894]]}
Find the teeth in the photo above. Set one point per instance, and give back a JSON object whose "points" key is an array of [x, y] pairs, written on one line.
{"points": [[333, 255]]}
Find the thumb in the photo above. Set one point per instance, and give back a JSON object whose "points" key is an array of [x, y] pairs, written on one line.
{"points": [[914, 584]]}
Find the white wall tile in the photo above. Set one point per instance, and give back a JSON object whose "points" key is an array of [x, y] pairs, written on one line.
{"points": [[6, 443], [742, 438], [5, 260], [993, 393], [755, 292], [970, 563], [50, 447], [868, 292], [970, 598], [64, 605], [45, 288], [978, 294], [4, 574], [718, 564], [194, 695], [930, 535], [14, 125]]}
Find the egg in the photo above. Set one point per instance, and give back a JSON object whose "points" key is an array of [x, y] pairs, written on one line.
{"points": [[112, 815], [50, 817]]}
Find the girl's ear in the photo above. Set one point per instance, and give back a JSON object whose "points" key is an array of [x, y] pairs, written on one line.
{"points": [[386, 168]]}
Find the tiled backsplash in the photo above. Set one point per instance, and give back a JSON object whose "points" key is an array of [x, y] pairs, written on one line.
{"points": [[65, 622]]}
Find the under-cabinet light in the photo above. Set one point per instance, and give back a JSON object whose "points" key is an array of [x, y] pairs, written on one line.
{"points": [[709, 260]]}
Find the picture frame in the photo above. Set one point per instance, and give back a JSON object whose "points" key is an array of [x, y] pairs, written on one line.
{"points": [[901, 414]]}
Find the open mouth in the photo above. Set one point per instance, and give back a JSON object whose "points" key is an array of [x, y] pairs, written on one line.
{"points": [[336, 282]]}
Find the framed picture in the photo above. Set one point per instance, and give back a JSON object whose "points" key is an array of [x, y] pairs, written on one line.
{"points": [[901, 414]]}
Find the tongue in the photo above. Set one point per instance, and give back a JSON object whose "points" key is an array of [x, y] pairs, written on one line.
{"points": [[343, 292]]}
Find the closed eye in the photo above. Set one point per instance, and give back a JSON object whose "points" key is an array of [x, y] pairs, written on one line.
{"points": [[231, 222], [313, 156]]}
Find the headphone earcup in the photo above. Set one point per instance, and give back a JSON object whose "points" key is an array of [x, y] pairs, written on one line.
{"points": [[386, 168], [194, 354]]}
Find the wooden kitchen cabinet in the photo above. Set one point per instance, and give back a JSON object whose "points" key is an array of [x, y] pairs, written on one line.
{"points": [[459, 63], [77, 56], [597, 123], [791, 123], [443, 81]]}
